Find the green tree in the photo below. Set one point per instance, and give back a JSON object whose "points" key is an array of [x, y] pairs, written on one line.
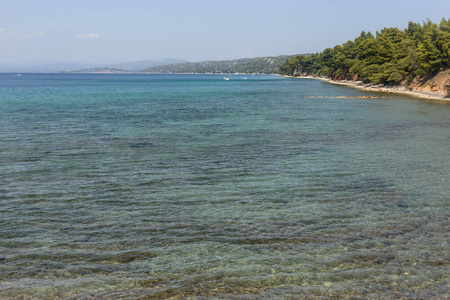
{"points": [[389, 57]]}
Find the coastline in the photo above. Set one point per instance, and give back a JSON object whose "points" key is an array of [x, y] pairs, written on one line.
{"points": [[379, 88]]}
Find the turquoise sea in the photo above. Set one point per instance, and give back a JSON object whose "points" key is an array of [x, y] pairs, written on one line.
{"points": [[142, 186]]}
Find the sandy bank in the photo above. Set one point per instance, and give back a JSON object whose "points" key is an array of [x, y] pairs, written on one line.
{"points": [[382, 89]]}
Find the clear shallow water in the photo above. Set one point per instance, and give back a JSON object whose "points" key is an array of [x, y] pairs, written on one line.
{"points": [[181, 186]]}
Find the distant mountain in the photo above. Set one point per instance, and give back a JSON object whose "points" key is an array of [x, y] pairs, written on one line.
{"points": [[260, 65], [49, 66], [99, 70], [44, 68], [144, 64]]}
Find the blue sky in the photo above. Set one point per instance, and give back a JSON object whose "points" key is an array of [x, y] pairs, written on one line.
{"points": [[119, 31]]}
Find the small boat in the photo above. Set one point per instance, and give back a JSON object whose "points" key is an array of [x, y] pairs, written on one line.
{"points": [[226, 78]]}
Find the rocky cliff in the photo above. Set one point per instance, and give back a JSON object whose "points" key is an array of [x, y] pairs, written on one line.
{"points": [[438, 84]]}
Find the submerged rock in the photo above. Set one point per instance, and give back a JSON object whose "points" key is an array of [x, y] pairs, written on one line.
{"points": [[140, 145], [83, 238]]}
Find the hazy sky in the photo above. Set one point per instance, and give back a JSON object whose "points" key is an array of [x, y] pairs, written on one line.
{"points": [[127, 30]]}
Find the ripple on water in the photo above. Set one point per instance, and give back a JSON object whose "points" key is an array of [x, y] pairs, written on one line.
{"points": [[153, 187]]}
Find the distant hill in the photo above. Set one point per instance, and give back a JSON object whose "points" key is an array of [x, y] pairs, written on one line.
{"points": [[144, 64], [99, 70], [43, 66], [259, 65]]}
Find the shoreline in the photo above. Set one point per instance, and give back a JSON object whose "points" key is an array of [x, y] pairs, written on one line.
{"points": [[379, 88]]}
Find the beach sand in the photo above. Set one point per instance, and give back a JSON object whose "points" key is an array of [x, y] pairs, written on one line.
{"points": [[381, 89]]}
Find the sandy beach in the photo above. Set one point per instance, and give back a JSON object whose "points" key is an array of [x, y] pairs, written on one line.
{"points": [[380, 88]]}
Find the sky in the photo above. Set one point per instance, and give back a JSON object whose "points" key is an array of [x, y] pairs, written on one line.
{"points": [[112, 31]]}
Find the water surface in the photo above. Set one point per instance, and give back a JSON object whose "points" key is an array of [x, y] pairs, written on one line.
{"points": [[182, 186]]}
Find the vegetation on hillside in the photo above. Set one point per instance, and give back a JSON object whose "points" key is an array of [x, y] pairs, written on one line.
{"points": [[259, 65], [388, 57]]}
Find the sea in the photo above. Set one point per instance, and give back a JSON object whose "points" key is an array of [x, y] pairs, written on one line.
{"points": [[141, 186]]}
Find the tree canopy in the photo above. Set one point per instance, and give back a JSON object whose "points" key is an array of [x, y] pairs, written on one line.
{"points": [[389, 57]]}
